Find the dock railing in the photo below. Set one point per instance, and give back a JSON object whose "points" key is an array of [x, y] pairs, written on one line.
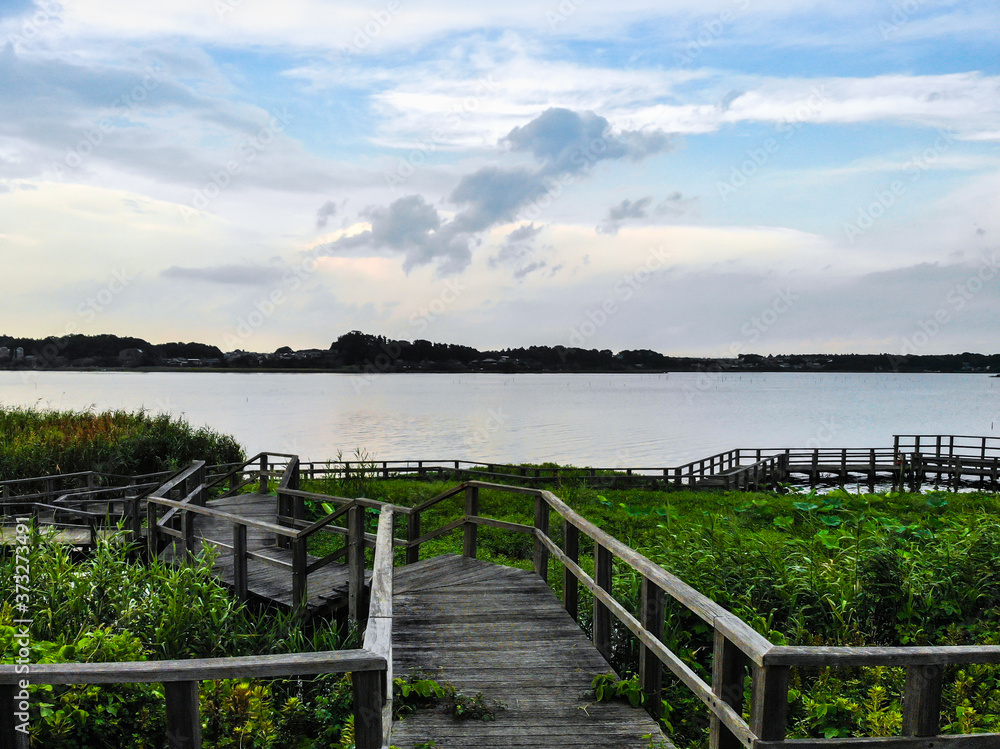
{"points": [[370, 667], [738, 649]]}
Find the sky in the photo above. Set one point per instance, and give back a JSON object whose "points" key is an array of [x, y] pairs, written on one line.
{"points": [[688, 176]]}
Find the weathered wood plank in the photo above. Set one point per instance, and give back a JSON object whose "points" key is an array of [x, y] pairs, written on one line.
{"points": [[506, 635]]}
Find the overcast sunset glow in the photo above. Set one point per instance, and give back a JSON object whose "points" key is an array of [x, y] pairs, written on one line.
{"points": [[692, 177]]}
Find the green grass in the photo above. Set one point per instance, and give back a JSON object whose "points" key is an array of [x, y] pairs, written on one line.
{"points": [[806, 569], [37, 442], [109, 607]]}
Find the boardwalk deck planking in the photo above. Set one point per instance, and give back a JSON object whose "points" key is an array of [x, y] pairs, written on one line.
{"points": [[501, 631], [327, 586]]}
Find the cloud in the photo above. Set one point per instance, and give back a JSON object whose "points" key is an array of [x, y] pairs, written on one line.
{"points": [[624, 210], [326, 211], [236, 275], [517, 250], [674, 204], [570, 142], [562, 141]]}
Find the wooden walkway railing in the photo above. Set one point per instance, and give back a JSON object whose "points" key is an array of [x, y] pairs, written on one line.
{"points": [[738, 648], [370, 667]]}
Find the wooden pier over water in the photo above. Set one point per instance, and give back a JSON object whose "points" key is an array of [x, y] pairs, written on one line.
{"points": [[484, 628]]}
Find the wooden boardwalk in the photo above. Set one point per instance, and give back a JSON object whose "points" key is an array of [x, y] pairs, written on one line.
{"points": [[328, 586], [502, 631]]}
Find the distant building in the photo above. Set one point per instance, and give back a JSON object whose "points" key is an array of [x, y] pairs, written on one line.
{"points": [[4, 352], [18, 353]]}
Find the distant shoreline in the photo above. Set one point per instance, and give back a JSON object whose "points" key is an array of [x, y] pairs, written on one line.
{"points": [[363, 373]]}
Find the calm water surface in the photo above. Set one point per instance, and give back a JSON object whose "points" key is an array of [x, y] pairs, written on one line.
{"points": [[655, 419]]}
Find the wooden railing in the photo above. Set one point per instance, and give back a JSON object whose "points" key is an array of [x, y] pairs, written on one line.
{"points": [[738, 650], [370, 667]]}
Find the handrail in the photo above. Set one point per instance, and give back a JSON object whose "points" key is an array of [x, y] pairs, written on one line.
{"points": [[180, 679], [737, 646], [378, 630]]}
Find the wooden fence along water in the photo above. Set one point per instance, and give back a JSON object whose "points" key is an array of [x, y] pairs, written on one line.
{"points": [[177, 506]]}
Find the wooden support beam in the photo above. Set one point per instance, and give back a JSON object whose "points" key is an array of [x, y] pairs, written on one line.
{"points": [[11, 717], [729, 668], [602, 616], [183, 720], [368, 687], [922, 701], [355, 560], [571, 586], [240, 579], [541, 551], [650, 668], [470, 545], [769, 708], [300, 595], [412, 534]]}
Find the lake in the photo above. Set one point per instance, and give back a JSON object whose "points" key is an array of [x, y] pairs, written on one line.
{"points": [[583, 419]]}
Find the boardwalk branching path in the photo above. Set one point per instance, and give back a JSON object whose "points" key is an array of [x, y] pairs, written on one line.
{"points": [[502, 632], [486, 628]]}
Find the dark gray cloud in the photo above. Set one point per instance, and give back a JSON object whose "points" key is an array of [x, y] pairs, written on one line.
{"points": [[326, 211], [624, 210], [674, 205], [235, 275], [568, 141], [518, 251], [563, 142]]}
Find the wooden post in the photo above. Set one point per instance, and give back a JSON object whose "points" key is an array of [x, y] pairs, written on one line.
{"points": [[571, 586], [152, 537], [183, 721], [240, 580], [650, 667], [300, 597], [470, 546], [602, 616], [9, 735], [187, 529], [262, 475], [729, 667], [368, 700], [541, 550], [412, 534], [922, 701], [769, 708], [355, 560]]}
